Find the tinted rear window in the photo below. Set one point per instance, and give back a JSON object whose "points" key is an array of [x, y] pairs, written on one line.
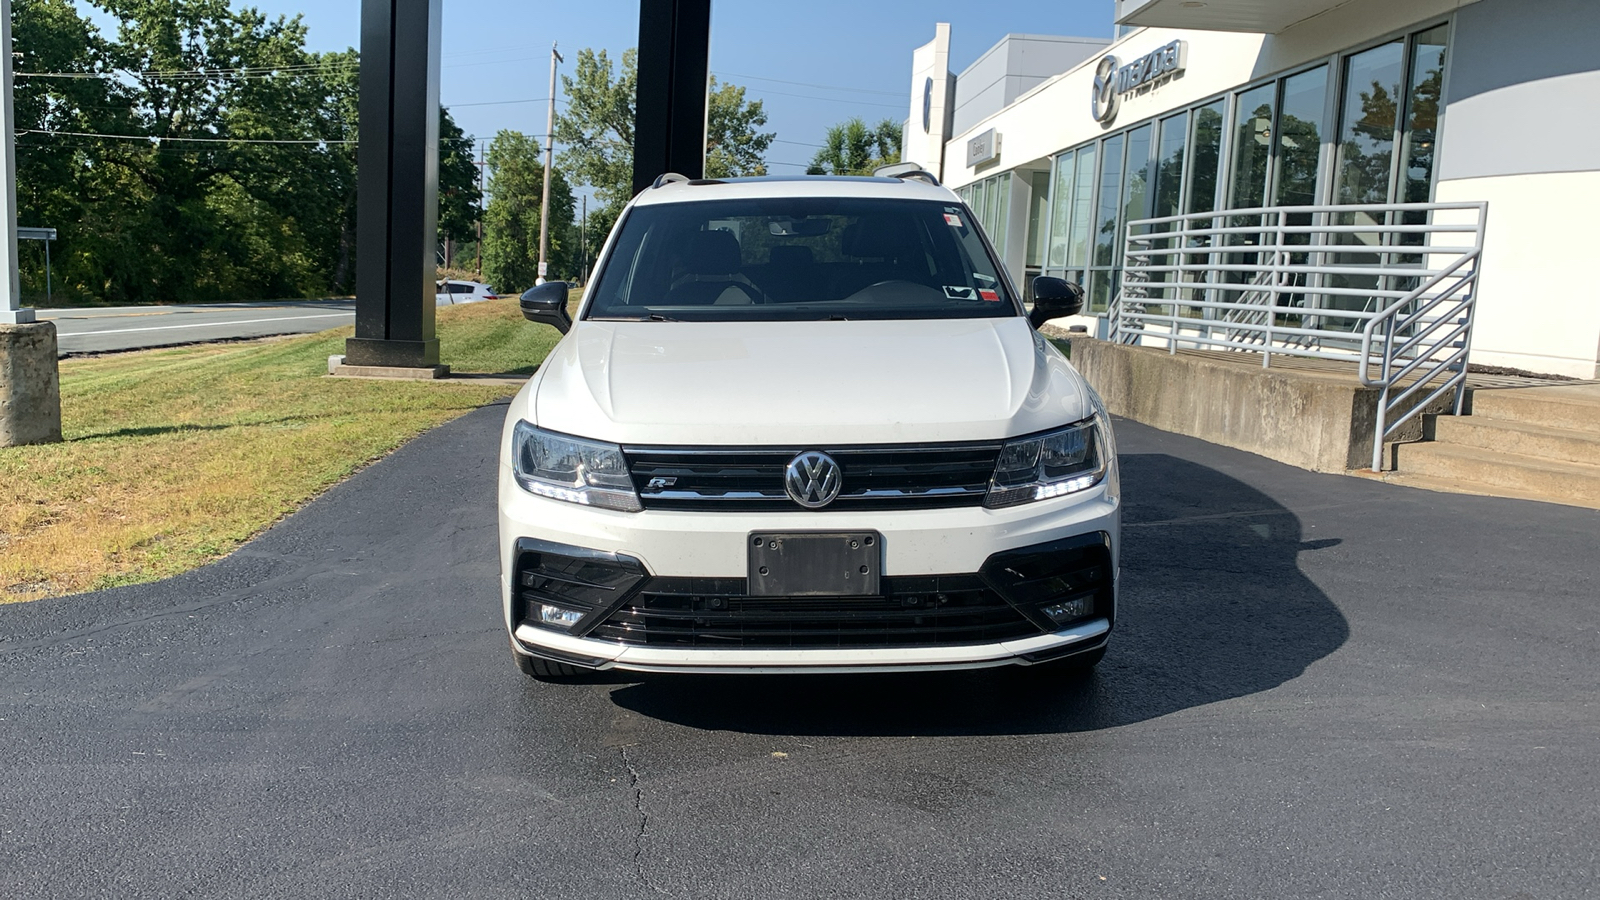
{"points": [[799, 259]]}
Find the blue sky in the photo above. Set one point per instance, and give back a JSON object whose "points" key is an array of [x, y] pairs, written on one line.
{"points": [[498, 50]]}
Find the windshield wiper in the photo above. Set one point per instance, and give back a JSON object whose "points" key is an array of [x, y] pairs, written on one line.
{"points": [[653, 317]]}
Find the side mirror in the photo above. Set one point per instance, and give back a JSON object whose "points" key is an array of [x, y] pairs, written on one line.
{"points": [[547, 303], [1054, 298]]}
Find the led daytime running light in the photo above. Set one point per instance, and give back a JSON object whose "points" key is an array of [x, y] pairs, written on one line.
{"points": [[1062, 462], [573, 470]]}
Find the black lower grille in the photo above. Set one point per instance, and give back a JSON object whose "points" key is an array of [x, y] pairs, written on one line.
{"points": [[913, 611]]}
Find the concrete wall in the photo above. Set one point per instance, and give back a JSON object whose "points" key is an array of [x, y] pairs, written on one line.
{"points": [[1314, 420]]}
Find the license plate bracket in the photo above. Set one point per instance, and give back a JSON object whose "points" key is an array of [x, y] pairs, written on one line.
{"points": [[815, 564]]}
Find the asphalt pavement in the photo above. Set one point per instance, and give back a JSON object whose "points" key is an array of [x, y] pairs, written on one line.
{"points": [[105, 329], [1320, 686]]}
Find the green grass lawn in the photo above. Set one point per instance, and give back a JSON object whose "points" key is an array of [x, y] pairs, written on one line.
{"points": [[175, 457]]}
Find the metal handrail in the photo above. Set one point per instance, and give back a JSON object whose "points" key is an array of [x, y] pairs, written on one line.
{"points": [[1308, 299]]}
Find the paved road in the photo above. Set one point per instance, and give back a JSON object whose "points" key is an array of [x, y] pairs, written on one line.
{"points": [[104, 329], [1320, 687]]}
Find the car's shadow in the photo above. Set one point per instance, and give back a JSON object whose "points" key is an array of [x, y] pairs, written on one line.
{"points": [[1213, 606]]}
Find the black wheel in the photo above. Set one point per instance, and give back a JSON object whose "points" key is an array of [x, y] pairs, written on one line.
{"points": [[544, 669], [1076, 665]]}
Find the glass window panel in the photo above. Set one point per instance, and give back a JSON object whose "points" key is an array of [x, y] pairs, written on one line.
{"points": [[1082, 207], [1000, 212], [1061, 209], [1038, 217], [1105, 238], [1169, 166], [1366, 125], [1299, 138], [1252, 138], [1422, 114], [1207, 142], [1136, 183]]}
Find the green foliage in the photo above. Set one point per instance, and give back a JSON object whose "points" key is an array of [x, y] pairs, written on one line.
{"points": [[733, 145], [854, 148], [458, 182], [511, 223], [595, 134], [189, 213]]}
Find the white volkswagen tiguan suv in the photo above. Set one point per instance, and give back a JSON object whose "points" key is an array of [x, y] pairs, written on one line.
{"points": [[805, 425]]}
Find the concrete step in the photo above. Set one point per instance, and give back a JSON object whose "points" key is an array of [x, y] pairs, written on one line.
{"points": [[1523, 438], [1479, 470], [1575, 407]]}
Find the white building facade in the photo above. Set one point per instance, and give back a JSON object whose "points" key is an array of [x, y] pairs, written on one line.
{"points": [[1239, 104]]}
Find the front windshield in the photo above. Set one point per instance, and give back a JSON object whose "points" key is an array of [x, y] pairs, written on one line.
{"points": [[799, 259]]}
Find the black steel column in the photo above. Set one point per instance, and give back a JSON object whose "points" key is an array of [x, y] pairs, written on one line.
{"points": [[397, 208], [669, 133]]}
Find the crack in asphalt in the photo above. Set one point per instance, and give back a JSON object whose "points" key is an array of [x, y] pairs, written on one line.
{"points": [[644, 824]]}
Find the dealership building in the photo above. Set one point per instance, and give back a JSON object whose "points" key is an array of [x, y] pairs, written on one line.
{"points": [[1329, 121]]}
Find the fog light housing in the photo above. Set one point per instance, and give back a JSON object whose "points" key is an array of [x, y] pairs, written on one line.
{"points": [[1068, 610], [560, 617]]}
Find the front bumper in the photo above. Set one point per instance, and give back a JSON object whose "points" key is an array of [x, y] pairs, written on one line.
{"points": [[668, 550]]}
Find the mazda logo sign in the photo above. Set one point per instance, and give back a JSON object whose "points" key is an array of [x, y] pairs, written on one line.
{"points": [[812, 479], [1104, 102]]}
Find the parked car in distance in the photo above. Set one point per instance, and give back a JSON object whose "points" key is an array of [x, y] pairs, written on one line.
{"points": [[805, 425], [451, 293]]}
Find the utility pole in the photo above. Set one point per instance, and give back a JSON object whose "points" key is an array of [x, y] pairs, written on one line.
{"points": [[30, 381], [583, 242], [549, 155], [479, 247]]}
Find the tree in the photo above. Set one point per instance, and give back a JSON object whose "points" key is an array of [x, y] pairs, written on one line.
{"points": [[853, 148], [511, 222], [733, 145], [458, 182], [196, 212], [595, 134]]}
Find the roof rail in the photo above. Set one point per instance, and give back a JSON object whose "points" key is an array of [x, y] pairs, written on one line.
{"points": [[904, 170], [674, 178]]}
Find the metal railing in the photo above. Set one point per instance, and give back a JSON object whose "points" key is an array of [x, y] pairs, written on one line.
{"points": [[1391, 287]]}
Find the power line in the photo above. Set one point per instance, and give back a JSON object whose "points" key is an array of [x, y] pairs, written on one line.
{"points": [[833, 99], [827, 87], [198, 74], [156, 139], [504, 102]]}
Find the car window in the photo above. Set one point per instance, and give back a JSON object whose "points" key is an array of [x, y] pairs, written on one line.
{"points": [[460, 288], [799, 259]]}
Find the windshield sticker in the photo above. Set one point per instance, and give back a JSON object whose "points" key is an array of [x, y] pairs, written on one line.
{"points": [[952, 221], [991, 296], [959, 292]]}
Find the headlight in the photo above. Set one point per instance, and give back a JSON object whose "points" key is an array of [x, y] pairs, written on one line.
{"points": [[572, 469], [1049, 465]]}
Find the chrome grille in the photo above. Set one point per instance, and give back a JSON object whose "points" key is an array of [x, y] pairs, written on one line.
{"points": [[752, 479]]}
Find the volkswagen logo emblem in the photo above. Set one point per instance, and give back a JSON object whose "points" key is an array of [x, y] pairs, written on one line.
{"points": [[1104, 101], [812, 479]]}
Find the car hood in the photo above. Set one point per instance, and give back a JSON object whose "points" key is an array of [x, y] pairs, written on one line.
{"points": [[806, 383]]}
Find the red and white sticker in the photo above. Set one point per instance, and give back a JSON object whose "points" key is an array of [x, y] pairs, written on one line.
{"points": [[952, 221], [991, 296]]}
